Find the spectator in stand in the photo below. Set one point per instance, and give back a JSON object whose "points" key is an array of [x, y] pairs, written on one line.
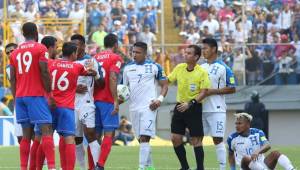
{"points": [[193, 35], [149, 38], [296, 20], [268, 66], [117, 30], [94, 16], [218, 4], [133, 29], [238, 65], [130, 11], [98, 36], [149, 18], [224, 13], [261, 35], [47, 7], [253, 68], [286, 73], [31, 12], [273, 24], [211, 23], [177, 12], [239, 35], [77, 13], [281, 48], [227, 54], [285, 21], [195, 4], [178, 57], [62, 10], [296, 43], [270, 36], [117, 10], [229, 26]]}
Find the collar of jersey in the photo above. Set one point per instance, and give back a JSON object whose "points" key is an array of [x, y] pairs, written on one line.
{"points": [[86, 56], [145, 62]]}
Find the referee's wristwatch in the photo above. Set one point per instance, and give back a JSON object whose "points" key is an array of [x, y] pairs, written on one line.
{"points": [[192, 102]]}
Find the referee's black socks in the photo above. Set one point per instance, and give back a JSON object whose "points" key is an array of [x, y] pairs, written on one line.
{"points": [[181, 154], [199, 154]]}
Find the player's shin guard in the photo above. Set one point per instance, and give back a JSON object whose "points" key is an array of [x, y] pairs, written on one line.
{"points": [[95, 150], [40, 158], [61, 148], [144, 154], [33, 154], [24, 153], [105, 150], [221, 155], [80, 155], [199, 154], [49, 150], [285, 162], [70, 154], [90, 159]]}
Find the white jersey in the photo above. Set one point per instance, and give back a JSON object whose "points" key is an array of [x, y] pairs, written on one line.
{"points": [[141, 80], [87, 98], [245, 145], [220, 76]]}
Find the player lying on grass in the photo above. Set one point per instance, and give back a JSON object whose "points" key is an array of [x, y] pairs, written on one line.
{"points": [[248, 145]]}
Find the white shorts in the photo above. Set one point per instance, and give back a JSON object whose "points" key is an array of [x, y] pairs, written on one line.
{"points": [[143, 122], [18, 127], [214, 124], [84, 115]]}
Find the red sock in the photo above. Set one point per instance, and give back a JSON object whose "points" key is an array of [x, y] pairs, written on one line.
{"points": [[62, 152], [33, 154], [70, 154], [24, 152], [105, 150], [49, 150], [40, 158], [90, 159]]}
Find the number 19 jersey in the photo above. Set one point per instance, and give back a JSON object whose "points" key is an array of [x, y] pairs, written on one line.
{"points": [[64, 81], [25, 60]]}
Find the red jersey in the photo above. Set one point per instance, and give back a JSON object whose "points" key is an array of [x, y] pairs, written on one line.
{"points": [[64, 81], [110, 62], [25, 60]]}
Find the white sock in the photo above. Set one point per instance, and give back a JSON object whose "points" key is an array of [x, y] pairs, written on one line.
{"points": [[149, 160], [80, 156], [95, 150], [144, 154], [285, 162], [221, 155], [255, 165]]}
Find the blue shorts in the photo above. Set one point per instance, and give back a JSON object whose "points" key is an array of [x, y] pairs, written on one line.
{"points": [[33, 110], [104, 120], [64, 121]]}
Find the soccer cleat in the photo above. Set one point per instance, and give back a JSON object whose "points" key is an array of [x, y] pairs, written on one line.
{"points": [[98, 167], [150, 168]]}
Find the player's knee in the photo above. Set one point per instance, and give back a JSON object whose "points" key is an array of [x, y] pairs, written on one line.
{"points": [[46, 129], [275, 154], [245, 163], [144, 139], [196, 141], [217, 140], [176, 140], [78, 140], [69, 139]]}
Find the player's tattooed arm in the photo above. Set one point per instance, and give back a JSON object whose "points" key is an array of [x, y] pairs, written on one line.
{"points": [[13, 81], [113, 81], [45, 76], [225, 90]]}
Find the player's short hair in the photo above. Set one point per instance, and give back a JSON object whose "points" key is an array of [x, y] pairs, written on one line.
{"points": [[78, 37], [197, 50], [69, 48], [49, 41], [211, 42], [110, 40], [243, 115], [11, 45], [141, 45], [29, 30]]}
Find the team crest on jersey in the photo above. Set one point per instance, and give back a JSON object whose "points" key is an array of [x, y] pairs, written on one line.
{"points": [[193, 87], [47, 55]]}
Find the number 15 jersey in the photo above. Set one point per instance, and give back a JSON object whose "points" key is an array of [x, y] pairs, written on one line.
{"points": [[25, 60], [64, 81]]}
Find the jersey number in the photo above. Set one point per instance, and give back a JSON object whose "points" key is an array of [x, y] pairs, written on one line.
{"points": [[62, 82], [26, 59]]}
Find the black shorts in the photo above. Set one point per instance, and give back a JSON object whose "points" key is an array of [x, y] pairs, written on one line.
{"points": [[191, 119]]}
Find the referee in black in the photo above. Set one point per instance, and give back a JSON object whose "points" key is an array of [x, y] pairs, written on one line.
{"points": [[193, 82]]}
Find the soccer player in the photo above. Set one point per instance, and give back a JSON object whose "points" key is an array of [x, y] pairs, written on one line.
{"points": [[214, 106], [65, 74], [141, 76], [30, 81], [9, 48], [106, 99], [85, 107], [247, 147], [51, 44], [193, 82]]}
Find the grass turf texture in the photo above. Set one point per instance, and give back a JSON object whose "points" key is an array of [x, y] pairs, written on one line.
{"points": [[126, 158]]}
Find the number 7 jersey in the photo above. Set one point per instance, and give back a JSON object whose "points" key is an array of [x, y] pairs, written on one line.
{"points": [[25, 60], [64, 81]]}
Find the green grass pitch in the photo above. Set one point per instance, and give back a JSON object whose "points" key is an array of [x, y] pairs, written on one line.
{"points": [[126, 158]]}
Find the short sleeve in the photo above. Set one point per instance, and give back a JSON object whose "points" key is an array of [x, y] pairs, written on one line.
{"points": [[262, 138], [172, 77], [160, 73], [116, 64], [44, 55], [230, 80], [125, 78], [205, 82], [229, 141], [98, 69]]}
